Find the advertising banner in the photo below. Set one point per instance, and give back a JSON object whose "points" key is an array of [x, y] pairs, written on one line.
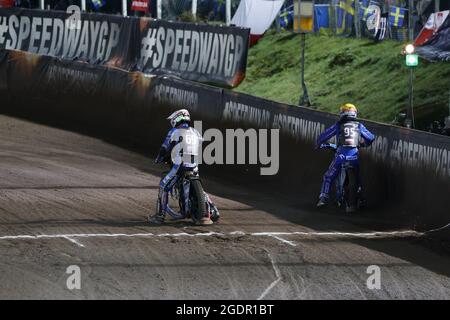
{"points": [[204, 53]]}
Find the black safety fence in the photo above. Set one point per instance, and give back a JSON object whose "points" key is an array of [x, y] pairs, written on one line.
{"points": [[200, 52], [405, 173], [207, 10]]}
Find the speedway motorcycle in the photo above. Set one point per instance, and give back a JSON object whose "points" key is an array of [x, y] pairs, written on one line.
{"points": [[348, 188], [189, 200]]}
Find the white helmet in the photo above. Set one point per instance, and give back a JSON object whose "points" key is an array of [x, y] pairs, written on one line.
{"points": [[178, 117]]}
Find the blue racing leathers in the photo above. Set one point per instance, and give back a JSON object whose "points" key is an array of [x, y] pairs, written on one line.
{"points": [[183, 144], [348, 133]]}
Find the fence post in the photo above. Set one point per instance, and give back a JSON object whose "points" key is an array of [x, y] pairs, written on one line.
{"points": [[194, 8], [124, 8], [335, 15], [42, 4], [437, 7], [158, 9], [304, 98], [277, 21], [83, 5], [388, 22], [357, 20], [410, 21], [228, 12]]}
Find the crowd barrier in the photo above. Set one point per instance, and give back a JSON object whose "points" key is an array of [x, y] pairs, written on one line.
{"points": [[200, 52]]}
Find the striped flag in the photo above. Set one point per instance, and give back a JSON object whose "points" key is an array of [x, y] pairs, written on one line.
{"points": [[382, 27], [368, 9]]}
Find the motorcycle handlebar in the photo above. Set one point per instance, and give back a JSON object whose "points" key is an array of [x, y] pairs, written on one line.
{"points": [[331, 146]]}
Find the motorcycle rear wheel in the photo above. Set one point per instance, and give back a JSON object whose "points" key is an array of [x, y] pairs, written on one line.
{"points": [[198, 203], [352, 195]]}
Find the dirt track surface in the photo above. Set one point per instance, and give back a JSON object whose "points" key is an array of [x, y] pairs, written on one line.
{"points": [[67, 199]]}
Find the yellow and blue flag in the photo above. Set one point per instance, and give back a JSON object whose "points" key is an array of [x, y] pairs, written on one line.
{"points": [[346, 12], [397, 16], [348, 6], [286, 19]]}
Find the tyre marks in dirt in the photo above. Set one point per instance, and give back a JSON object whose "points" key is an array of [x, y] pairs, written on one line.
{"points": [[66, 199]]}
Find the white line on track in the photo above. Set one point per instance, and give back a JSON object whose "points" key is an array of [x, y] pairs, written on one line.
{"points": [[291, 243], [75, 241], [377, 234], [275, 282], [312, 234]]}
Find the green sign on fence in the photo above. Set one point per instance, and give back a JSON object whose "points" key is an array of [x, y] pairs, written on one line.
{"points": [[412, 60]]}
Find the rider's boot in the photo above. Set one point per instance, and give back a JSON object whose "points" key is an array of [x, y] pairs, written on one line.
{"points": [[323, 201], [159, 216], [212, 209], [215, 215]]}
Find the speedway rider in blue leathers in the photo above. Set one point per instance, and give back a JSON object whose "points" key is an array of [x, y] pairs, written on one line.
{"points": [[183, 156], [348, 132]]}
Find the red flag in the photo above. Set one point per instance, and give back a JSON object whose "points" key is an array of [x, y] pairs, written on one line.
{"points": [[434, 22], [140, 5], [6, 3]]}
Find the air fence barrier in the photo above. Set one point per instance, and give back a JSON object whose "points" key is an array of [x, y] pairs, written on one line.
{"points": [[405, 173]]}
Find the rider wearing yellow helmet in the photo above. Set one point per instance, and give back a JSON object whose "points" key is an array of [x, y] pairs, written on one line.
{"points": [[348, 110], [348, 132]]}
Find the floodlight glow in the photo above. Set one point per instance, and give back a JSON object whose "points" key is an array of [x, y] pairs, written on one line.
{"points": [[409, 49]]}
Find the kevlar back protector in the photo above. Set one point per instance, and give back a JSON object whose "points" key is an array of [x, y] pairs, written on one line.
{"points": [[349, 134]]}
